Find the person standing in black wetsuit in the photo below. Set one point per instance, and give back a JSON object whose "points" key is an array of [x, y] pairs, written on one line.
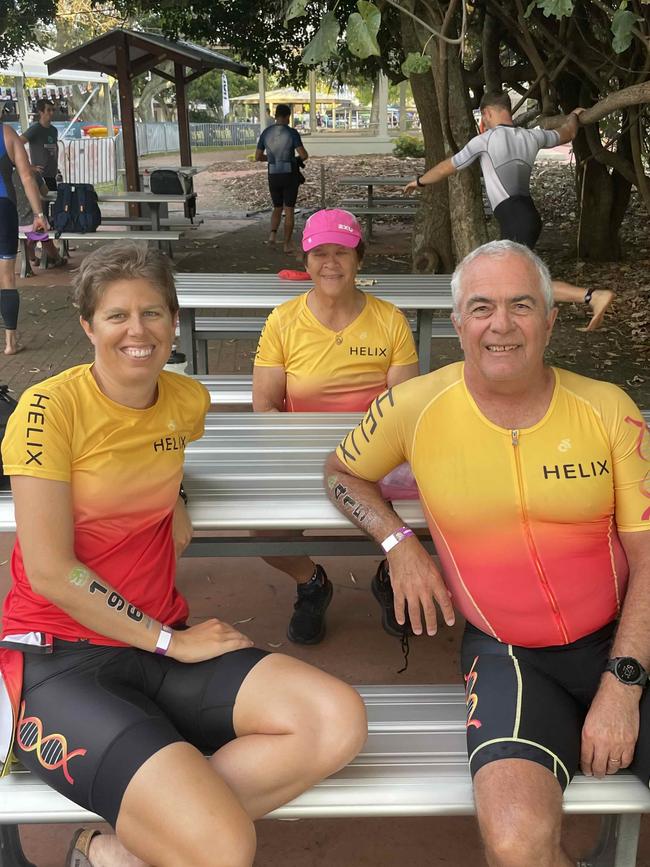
{"points": [[278, 146], [12, 154], [507, 154]]}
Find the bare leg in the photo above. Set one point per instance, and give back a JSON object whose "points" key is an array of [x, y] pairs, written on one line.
{"points": [[600, 301], [9, 302], [288, 229], [276, 216], [295, 726], [299, 568], [519, 808], [177, 812]]}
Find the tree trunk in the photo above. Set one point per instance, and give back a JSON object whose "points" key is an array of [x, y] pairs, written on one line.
{"points": [[602, 193], [465, 198], [374, 106], [602, 205], [431, 245]]}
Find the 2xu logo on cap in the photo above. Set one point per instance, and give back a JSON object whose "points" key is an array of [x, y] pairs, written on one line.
{"points": [[345, 228]]}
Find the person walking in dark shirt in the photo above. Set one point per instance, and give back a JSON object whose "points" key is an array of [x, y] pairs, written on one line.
{"points": [[277, 146]]}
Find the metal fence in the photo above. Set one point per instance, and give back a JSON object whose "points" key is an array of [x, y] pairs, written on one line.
{"points": [[163, 137], [89, 160], [100, 160]]}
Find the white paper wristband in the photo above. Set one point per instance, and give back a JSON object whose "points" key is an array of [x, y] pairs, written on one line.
{"points": [[395, 538], [164, 640]]}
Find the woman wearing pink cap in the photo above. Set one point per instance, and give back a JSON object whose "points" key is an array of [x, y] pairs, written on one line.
{"points": [[333, 349]]}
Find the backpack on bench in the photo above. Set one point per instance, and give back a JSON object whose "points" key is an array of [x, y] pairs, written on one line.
{"points": [[76, 209]]}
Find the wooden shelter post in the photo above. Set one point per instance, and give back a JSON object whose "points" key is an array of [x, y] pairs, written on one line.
{"points": [[183, 116], [127, 115]]}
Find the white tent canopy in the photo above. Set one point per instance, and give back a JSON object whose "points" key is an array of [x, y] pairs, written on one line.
{"points": [[32, 65]]}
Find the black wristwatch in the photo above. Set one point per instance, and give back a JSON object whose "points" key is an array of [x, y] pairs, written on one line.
{"points": [[628, 670], [182, 494], [418, 181]]}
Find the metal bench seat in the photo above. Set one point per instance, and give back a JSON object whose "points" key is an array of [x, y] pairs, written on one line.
{"points": [[247, 327], [100, 235], [413, 764]]}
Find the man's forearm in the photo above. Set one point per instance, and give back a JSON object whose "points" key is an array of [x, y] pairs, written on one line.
{"points": [[438, 173], [362, 503], [633, 636]]}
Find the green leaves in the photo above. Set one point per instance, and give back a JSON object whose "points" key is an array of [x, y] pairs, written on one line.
{"points": [[323, 45], [622, 26], [296, 9], [416, 64], [361, 30], [556, 8]]}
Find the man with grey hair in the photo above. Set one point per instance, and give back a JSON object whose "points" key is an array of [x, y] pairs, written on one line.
{"points": [[534, 484], [507, 153]]}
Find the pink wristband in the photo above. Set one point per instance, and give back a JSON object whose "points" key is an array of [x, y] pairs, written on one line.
{"points": [[395, 538]]}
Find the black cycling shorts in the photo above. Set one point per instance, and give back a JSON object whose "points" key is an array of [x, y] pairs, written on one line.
{"points": [[284, 189], [531, 703], [8, 229], [92, 715], [519, 220]]}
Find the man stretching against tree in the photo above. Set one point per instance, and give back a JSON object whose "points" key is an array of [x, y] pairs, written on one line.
{"points": [[507, 154]]}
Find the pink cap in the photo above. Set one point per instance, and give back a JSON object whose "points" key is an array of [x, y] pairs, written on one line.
{"points": [[333, 226]]}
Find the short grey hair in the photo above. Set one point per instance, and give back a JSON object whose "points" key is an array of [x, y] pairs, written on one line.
{"points": [[122, 261], [495, 250]]}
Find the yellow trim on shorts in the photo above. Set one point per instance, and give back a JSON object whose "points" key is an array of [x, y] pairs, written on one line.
{"points": [[515, 662], [556, 759]]}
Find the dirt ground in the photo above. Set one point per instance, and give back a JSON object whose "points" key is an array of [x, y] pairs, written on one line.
{"points": [[355, 648]]}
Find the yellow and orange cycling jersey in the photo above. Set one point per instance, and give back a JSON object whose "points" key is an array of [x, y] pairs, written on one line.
{"points": [[526, 522], [125, 467], [330, 371]]}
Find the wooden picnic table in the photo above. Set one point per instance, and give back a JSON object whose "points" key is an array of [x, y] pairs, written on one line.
{"points": [[423, 293]]}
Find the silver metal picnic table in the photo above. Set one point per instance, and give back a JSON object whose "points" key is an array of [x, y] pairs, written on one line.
{"points": [[423, 293]]}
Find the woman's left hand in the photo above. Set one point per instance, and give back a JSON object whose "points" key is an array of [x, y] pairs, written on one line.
{"points": [[181, 527]]}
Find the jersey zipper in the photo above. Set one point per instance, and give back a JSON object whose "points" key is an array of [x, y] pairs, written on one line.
{"points": [[531, 542]]}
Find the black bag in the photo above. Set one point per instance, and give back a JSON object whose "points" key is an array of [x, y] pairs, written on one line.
{"points": [[76, 209], [7, 406], [167, 182]]}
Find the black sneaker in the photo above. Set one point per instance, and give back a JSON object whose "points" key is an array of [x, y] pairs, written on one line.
{"points": [[307, 624], [383, 593]]}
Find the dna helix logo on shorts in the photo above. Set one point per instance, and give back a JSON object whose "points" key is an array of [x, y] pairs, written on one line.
{"points": [[51, 750], [471, 698]]}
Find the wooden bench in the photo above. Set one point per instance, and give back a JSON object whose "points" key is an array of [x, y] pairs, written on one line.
{"points": [[265, 472], [413, 764], [99, 235]]}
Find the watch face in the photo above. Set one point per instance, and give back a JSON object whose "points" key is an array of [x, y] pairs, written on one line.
{"points": [[628, 669]]}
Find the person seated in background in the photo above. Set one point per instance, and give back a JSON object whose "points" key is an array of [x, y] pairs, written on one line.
{"points": [[332, 349], [135, 694]]}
